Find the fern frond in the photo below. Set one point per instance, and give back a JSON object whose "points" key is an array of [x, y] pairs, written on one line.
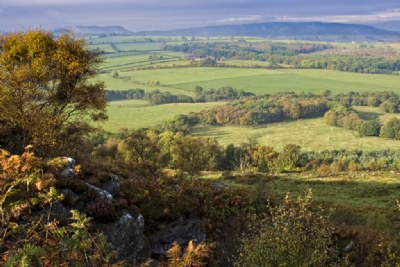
{"points": [[26, 255]]}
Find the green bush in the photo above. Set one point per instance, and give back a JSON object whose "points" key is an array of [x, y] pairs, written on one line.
{"points": [[369, 128], [291, 236], [391, 129]]}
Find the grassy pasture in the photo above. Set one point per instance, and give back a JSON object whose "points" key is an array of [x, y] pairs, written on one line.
{"points": [[366, 198], [138, 46], [369, 113], [246, 63], [132, 59], [102, 47], [360, 198], [373, 189], [262, 81], [310, 134], [125, 82], [371, 196], [95, 40], [135, 114], [119, 62]]}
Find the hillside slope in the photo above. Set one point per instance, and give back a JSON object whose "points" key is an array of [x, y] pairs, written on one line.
{"points": [[299, 30]]}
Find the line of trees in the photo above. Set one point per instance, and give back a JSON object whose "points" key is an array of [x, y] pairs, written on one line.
{"points": [[156, 97], [388, 102], [245, 50], [299, 55], [156, 150], [258, 110], [264, 110], [346, 117]]}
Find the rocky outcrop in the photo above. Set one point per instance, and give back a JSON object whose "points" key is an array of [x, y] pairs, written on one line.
{"points": [[123, 229], [113, 186], [70, 198], [102, 194], [68, 171], [181, 233], [58, 212], [126, 235], [54, 212]]}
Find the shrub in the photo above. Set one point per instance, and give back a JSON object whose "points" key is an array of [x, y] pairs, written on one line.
{"points": [[391, 129], [193, 256], [291, 236], [369, 128]]}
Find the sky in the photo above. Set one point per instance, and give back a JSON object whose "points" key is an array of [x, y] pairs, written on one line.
{"points": [[138, 15]]}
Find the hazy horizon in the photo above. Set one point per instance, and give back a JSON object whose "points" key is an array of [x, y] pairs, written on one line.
{"points": [[160, 15]]}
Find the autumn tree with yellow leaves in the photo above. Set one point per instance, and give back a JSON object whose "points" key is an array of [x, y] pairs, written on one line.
{"points": [[47, 91]]}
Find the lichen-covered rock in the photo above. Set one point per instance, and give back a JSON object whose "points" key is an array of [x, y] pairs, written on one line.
{"points": [[68, 171], [101, 192], [126, 235], [113, 186], [59, 213], [181, 233], [54, 212], [70, 198]]}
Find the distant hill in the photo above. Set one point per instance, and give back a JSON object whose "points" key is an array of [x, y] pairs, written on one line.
{"points": [[94, 30], [279, 30], [393, 25], [293, 30]]}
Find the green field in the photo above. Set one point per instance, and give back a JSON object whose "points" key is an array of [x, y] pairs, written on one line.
{"points": [[135, 114], [378, 190], [310, 134], [367, 198], [358, 198], [129, 55], [259, 81], [133, 53], [368, 195], [370, 113]]}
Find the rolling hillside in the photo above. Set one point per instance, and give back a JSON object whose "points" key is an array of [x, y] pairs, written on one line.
{"points": [[294, 30]]}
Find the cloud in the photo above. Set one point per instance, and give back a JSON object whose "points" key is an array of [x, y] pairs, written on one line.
{"points": [[53, 13], [238, 19], [161, 14], [51, 2], [391, 14]]}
